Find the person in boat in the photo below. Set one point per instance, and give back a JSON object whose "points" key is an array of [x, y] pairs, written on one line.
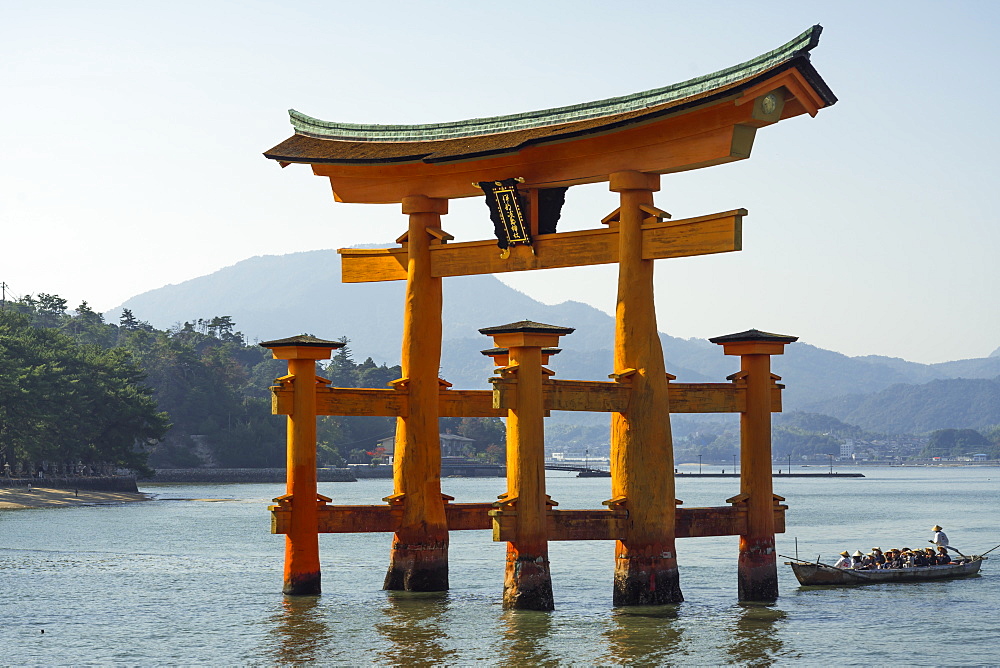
{"points": [[943, 558], [878, 557], [844, 561], [930, 556], [856, 559], [920, 559], [940, 539], [894, 560]]}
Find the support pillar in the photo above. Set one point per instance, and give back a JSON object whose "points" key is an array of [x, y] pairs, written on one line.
{"points": [[527, 578], [302, 570], [642, 458], [758, 570], [419, 557]]}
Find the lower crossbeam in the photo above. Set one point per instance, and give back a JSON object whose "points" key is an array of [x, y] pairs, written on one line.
{"points": [[563, 525]]}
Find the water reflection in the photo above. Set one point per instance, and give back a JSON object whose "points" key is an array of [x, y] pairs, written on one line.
{"points": [[415, 626], [644, 636], [525, 633], [304, 636], [755, 638]]}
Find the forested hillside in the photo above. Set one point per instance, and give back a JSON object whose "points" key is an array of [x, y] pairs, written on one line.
{"points": [[76, 390], [279, 296], [955, 403], [67, 399]]}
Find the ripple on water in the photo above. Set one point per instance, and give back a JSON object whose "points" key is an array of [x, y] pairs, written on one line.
{"points": [[198, 582]]}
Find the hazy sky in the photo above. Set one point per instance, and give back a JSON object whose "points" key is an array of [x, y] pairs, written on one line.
{"points": [[131, 135]]}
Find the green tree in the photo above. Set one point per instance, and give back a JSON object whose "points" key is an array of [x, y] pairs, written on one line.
{"points": [[128, 321], [341, 369], [954, 443], [61, 401]]}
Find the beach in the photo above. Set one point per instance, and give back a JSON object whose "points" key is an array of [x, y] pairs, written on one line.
{"points": [[19, 498]]}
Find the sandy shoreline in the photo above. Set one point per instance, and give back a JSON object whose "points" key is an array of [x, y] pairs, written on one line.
{"points": [[19, 498]]}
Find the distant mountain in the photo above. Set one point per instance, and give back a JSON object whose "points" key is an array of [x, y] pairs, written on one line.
{"points": [[955, 403], [995, 353], [277, 296]]}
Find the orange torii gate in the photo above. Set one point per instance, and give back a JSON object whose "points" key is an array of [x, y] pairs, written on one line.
{"points": [[524, 163]]}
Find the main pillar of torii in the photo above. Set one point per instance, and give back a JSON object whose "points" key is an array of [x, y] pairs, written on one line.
{"points": [[629, 142], [641, 443], [419, 558]]}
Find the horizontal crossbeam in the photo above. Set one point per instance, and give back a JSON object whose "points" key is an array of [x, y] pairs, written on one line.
{"points": [[560, 395], [604, 524], [604, 396], [703, 235], [352, 401]]}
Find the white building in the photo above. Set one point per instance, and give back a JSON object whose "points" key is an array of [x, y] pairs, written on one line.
{"points": [[847, 448]]}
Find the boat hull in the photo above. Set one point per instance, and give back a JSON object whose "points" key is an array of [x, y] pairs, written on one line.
{"points": [[819, 574]]}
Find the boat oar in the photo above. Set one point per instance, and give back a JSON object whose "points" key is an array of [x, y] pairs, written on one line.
{"points": [[949, 547], [785, 556], [988, 551]]}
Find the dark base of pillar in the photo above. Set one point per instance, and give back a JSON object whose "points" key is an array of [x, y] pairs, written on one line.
{"points": [[528, 584], [418, 568], [646, 581], [304, 584], [758, 571]]}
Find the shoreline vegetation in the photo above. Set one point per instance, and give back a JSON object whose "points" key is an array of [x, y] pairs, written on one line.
{"points": [[20, 498]]}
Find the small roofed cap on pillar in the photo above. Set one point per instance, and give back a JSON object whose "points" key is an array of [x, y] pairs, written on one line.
{"points": [[525, 334], [527, 327], [754, 341], [317, 348], [302, 340], [754, 335]]}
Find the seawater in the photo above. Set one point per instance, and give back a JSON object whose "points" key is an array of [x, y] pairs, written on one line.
{"points": [[194, 577]]}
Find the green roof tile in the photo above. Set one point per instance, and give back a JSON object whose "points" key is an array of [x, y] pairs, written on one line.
{"points": [[315, 127]]}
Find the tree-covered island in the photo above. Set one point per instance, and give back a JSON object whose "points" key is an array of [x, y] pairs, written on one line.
{"points": [[81, 394]]}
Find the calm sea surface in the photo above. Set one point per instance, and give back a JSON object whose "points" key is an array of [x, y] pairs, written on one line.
{"points": [[194, 577]]}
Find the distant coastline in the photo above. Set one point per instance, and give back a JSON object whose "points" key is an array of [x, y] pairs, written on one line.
{"points": [[246, 475]]}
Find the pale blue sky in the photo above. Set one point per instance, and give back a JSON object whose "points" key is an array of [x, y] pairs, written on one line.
{"points": [[132, 135]]}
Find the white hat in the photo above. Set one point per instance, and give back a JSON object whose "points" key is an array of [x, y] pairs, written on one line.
{"points": [[857, 553]]}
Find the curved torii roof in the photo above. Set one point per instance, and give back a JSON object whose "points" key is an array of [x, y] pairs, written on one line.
{"points": [[691, 124]]}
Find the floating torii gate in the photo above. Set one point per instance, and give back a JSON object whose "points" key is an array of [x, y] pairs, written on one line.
{"points": [[526, 161]]}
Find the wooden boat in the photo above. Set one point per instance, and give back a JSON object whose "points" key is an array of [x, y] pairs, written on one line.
{"points": [[822, 574]]}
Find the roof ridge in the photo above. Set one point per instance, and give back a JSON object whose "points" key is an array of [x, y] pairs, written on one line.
{"points": [[314, 127]]}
